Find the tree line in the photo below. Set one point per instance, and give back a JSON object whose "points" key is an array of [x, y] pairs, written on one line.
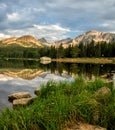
{"points": [[92, 49]]}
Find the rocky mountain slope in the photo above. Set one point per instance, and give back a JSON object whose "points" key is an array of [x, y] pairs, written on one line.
{"points": [[64, 42], [87, 37], [24, 41], [30, 41], [94, 35], [44, 42]]}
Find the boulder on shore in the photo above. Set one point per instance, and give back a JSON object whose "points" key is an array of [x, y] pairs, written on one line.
{"points": [[18, 95], [37, 91], [22, 102], [102, 93], [45, 60], [84, 126]]}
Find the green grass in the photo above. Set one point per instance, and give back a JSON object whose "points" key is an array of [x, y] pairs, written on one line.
{"points": [[59, 104]]}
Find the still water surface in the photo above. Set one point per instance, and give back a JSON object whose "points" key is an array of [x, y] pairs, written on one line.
{"points": [[17, 76]]}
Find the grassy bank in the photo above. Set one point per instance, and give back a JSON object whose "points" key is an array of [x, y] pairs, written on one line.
{"points": [[60, 104], [28, 59], [87, 60], [72, 60]]}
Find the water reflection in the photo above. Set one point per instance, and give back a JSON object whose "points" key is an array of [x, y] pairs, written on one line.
{"points": [[19, 75], [25, 68]]}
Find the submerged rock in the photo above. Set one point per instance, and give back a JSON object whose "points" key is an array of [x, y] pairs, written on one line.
{"points": [[18, 95]]}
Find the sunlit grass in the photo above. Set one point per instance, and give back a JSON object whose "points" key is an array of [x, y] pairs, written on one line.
{"points": [[59, 104]]}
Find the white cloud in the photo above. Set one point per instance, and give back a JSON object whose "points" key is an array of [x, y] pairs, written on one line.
{"points": [[42, 10], [36, 17], [50, 32], [105, 25], [4, 36], [13, 16], [55, 27]]}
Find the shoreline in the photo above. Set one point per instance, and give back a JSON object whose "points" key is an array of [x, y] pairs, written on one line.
{"points": [[100, 60], [86, 60]]}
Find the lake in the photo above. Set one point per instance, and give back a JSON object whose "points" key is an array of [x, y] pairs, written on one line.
{"points": [[19, 75]]}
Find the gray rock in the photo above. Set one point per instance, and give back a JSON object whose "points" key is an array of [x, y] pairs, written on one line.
{"points": [[45, 60], [22, 102], [37, 91], [96, 115], [84, 126], [18, 95], [102, 93]]}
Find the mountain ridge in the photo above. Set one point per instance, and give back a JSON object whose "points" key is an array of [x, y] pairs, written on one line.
{"points": [[87, 37], [94, 35], [24, 41]]}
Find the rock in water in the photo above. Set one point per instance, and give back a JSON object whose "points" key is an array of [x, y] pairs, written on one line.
{"points": [[37, 91], [18, 95], [22, 102]]}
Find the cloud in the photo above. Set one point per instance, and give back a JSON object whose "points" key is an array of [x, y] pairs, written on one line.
{"points": [[51, 32], [3, 5], [24, 16], [105, 25], [5, 78], [54, 32], [13, 17], [4, 36], [55, 27]]}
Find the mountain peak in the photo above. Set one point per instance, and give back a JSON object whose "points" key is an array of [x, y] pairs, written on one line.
{"points": [[94, 35], [24, 41], [93, 32], [26, 38]]}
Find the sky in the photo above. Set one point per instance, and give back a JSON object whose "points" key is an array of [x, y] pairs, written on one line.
{"points": [[55, 19]]}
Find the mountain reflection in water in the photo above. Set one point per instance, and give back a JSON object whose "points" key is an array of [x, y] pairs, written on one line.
{"points": [[16, 75]]}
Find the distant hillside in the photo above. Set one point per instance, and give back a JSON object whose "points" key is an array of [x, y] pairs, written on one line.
{"points": [[44, 42], [64, 42], [94, 35], [24, 41]]}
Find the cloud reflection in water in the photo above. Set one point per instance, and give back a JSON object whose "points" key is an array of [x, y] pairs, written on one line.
{"points": [[10, 85]]}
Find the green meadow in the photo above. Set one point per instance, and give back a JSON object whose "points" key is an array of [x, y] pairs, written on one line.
{"points": [[60, 104]]}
